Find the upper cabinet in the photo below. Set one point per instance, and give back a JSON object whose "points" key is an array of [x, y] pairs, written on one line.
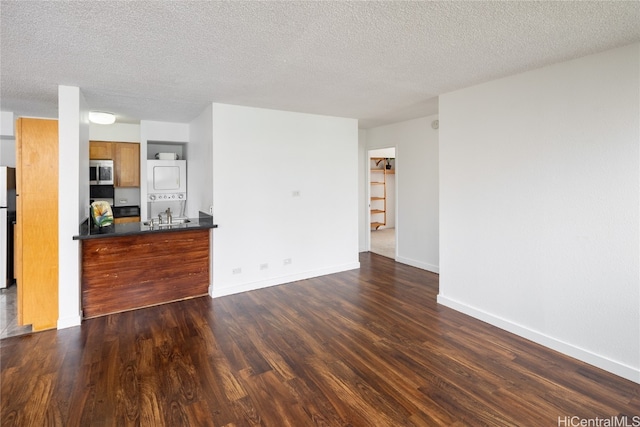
{"points": [[99, 150], [126, 160]]}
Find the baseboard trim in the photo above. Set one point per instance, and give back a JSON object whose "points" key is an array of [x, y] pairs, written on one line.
{"points": [[252, 286], [69, 322], [628, 372], [418, 264]]}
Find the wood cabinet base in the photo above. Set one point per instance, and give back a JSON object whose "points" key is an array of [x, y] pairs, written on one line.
{"points": [[126, 219], [129, 272]]}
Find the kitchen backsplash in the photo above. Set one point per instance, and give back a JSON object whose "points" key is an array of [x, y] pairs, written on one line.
{"points": [[126, 197]]}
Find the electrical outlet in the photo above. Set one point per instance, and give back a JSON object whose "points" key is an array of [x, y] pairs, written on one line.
{"points": [[211, 209], [237, 270], [286, 261], [295, 193], [264, 266]]}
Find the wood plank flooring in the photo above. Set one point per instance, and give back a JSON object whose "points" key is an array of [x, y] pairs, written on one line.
{"points": [[368, 347]]}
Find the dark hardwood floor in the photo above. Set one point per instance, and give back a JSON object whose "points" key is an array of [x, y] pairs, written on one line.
{"points": [[368, 347]]}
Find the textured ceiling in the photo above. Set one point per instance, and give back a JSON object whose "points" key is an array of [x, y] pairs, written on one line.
{"points": [[379, 62]]}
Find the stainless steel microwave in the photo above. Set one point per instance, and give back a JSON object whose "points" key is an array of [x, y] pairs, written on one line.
{"points": [[101, 172]]}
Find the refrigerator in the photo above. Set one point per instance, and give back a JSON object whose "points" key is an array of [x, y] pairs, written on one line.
{"points": [[7, 218]]}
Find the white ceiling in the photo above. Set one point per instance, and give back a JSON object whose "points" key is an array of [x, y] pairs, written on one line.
{"points": [[379, 62]]}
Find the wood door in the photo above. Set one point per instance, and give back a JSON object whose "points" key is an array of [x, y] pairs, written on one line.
{"points": [[99, 150], [37, 222], [126, 164]]}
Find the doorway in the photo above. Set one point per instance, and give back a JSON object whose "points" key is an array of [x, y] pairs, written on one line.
{"points": [[382, 202]]}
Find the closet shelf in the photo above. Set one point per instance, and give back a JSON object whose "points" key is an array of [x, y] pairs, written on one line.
{"points": [[378, 169]]}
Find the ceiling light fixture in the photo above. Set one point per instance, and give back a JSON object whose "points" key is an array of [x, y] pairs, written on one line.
{"points": [[102, 118]]}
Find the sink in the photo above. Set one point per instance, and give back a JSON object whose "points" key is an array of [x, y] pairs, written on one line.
{"points": [[176, 221], [180, 221]]}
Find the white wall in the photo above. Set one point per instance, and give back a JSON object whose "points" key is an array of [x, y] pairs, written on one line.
{"points": [[260, 158], [389, 152], [200, 173], [199, 170], [7, 125], [390, 217], [119, 132], [363, 177], [7, 139], [417, 232], [73, 200], [153, 149], [540, 201], [8, 152], [165, 131]]}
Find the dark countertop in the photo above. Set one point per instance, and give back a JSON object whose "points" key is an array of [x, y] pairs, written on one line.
{"points": [[89, 231]]}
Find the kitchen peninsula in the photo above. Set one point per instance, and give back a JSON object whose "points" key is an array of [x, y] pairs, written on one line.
{"points": [[134, 265]]}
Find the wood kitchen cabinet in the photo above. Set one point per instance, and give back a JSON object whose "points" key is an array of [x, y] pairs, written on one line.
{"points": [[36, 229], [126, 163], [160, 267], [100, 150], [126, 160], [126, 219]]}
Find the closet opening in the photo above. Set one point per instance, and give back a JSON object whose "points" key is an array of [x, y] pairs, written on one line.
{"points": [[382, 201]]}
